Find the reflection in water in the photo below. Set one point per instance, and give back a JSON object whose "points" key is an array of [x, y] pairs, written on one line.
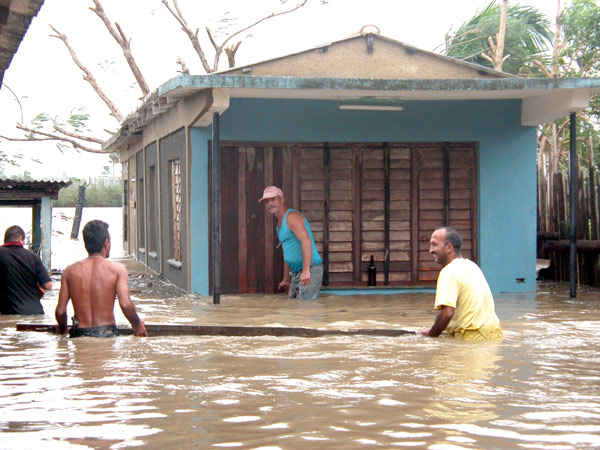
{"points": [[538, 388], [461, 380]]}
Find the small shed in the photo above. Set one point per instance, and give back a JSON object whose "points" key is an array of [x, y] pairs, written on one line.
{"points": [[375, 141], [38, 195]]}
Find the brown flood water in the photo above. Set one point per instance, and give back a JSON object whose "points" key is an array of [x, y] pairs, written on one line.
{"points": [[537, 389]]}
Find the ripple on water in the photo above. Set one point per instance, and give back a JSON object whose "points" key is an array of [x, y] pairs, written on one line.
{"points": [[537, 388]]}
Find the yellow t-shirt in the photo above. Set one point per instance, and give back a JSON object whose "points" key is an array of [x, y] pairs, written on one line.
{"points": [[462, 285]]}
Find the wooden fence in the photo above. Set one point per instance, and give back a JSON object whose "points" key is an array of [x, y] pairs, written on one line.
{"points": [[554, 229]]}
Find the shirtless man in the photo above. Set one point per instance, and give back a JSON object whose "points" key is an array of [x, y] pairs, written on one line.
{"points": [[92, 284]]}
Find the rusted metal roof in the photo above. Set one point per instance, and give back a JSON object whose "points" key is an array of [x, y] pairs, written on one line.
{"points": [[24, 192], [15, 18]]}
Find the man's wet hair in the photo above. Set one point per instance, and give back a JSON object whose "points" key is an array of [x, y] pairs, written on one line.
{"points": [[95, 233], [453, 237], [13, 233]]}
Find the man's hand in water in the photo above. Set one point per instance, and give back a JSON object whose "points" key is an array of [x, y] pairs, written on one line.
{"points": [[140, 329], [284, 285]]}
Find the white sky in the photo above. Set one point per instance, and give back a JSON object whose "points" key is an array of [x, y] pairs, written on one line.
{"points": [[45, 78]]}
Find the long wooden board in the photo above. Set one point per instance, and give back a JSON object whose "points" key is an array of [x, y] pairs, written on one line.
{"points": [[226, 330]]}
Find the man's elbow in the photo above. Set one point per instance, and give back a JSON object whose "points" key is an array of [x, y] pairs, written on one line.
{"points": [[61, 315], [447, 313], [47, 286]]}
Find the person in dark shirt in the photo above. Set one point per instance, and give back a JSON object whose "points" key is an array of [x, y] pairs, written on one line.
{"points": [[23, 277]]}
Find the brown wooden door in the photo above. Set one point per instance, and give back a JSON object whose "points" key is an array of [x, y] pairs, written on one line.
{"points": [[446, 183], [250, 259], [360, 200]]}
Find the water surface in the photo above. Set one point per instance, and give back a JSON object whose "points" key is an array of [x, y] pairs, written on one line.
{"points": [[537, 389]]}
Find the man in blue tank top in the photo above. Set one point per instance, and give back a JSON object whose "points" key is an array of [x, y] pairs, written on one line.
{"points": [[302, 269]]}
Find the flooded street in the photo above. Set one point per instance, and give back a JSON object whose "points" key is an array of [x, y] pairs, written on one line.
{"points": [[539, 388]]}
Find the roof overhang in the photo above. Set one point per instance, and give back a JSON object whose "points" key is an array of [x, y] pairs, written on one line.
{"points": [[19, 192], [15, 18], [543, 100]]}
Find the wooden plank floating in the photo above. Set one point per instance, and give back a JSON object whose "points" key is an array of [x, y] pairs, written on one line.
{"points": [[228, 330]]}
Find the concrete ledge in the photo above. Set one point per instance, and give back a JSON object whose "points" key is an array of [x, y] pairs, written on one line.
{"points": [[378, 291]]}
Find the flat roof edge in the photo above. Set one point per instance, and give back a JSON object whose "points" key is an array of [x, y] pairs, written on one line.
{"points": [[374, 84]]}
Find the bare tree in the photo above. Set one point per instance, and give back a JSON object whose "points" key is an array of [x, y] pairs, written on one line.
{"points": [[78, 137], [117, 33], [88, 76], [222, 47]]}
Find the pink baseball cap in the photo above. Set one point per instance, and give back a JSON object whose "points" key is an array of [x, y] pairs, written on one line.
{"points": [[270, 192]]}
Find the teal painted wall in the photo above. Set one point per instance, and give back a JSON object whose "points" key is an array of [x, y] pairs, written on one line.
{"points": [[507, 166], [199, 207]]}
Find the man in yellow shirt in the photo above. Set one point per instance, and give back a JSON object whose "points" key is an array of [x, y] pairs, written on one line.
{"points": [[463, 296]]}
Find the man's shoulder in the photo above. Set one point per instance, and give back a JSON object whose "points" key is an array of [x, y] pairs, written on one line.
{"points": [[107, 265], [463, 269], [18, 250], [462, 262], [72, 267], [12, 248], [295, 216], [115, 266], [458, 266]]}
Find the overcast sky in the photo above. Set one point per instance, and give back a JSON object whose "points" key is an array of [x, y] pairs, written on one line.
{"points": [[44, 78]]}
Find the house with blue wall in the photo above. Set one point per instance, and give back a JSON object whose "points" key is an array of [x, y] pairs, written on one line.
{"points": [[376, 142]]}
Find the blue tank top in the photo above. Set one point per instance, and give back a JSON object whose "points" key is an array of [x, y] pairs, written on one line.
{"points": [[292, 250]]}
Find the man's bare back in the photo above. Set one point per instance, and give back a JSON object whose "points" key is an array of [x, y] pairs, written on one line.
{"points": [[92, 284]]}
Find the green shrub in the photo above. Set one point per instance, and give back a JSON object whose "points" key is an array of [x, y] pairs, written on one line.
{"points": [[96, 195]]}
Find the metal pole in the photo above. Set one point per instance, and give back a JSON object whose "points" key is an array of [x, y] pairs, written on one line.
{"points": [[327, 169], [36, 227], [573, 174], [46, 214], [78, 212], [216, 212], [386, 214]]}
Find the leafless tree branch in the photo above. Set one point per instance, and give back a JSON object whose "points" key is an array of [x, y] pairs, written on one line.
{"points": [[230, 52], [89, 77], [82, 137], [219, 48], [270, 16], [193, 36], [119, 36], [16, 98], [51, 137]]}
